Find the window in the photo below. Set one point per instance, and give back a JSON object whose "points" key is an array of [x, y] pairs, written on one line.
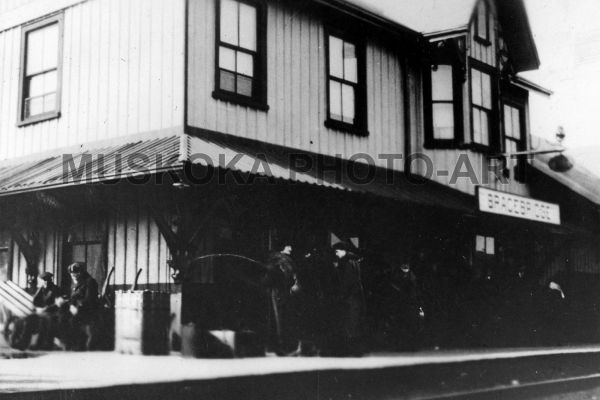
{"points": [[41, 56], [85, 243], [513, 138], [345, 85], [443, 113], [485, 245], [482, 23], [240, 54], [482, 106]]}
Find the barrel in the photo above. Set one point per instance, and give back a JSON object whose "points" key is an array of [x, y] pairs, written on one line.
{"points": [[142, 322]]}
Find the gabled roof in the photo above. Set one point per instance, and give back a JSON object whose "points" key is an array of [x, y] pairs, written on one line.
{"points": [[431, 17]]}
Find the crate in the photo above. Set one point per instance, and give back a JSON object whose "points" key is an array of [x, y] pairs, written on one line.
{"points": [[142, 322]]}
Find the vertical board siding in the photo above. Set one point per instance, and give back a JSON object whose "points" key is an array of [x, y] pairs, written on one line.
{"points": [[482, 52], [123, 73], [296, 85]]}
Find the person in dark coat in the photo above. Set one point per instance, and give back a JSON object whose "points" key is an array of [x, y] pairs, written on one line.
{"points": [[404, 308], [349, 303], [47, 292], [83, 306], [280, 281]]}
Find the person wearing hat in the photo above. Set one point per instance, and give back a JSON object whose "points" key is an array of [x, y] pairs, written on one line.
{"points": [[280, 281], [349, 304], [47, 291], [83, 305]]}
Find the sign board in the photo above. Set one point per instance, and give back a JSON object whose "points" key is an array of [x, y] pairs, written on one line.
{"points": [[495, 202]]}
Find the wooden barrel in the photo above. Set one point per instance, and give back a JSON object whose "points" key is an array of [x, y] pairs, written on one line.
{"points": [[142, 322]]}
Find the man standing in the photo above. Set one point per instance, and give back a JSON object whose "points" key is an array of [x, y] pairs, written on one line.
{"points": [[83, 306], [47, 292], [349, 303], [280, 279]]}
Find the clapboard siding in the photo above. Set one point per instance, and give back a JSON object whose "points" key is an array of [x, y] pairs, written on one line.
{"points": [[135, 242], [483, 52], [296, 84], [123, 73]]}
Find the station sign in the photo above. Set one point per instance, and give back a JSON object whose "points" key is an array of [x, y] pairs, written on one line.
{"points": [[501, 203]]}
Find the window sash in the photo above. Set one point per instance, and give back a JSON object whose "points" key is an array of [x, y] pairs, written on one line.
{"points": [[40, 80], [237, 48], [343, 82]]}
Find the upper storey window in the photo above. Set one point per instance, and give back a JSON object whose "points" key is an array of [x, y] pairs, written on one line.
{"points": [[345, 84], [514, 138], [482, 105], [240, 48], [482, 22], [41, 57]]}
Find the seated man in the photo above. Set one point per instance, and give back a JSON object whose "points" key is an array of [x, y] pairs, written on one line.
{"points": [[83, 307], [47, 292]]}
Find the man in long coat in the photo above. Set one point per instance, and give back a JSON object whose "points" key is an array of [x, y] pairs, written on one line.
{"points": [[349, 303], [83, 306]]}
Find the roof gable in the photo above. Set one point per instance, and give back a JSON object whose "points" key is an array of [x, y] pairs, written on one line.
{"points": [[438, 16]]}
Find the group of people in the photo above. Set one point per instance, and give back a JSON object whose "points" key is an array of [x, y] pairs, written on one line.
{"points": [[69, 315], [318, 302]]}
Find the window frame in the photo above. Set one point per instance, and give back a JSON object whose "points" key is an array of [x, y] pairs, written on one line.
{"points": [[57, 18], [457, 99], [493, 128], [517, 99], [360, 126], [259, 98], [484, 40]]}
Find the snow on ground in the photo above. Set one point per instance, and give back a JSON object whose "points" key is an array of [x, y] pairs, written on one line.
{"points": [[67, 370]]}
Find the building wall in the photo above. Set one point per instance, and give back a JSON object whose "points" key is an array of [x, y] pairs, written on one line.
{"points": [[123, 72], [296, 84], [451, 159]]}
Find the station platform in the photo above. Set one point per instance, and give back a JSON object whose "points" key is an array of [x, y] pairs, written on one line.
{"points": [[434, 374]]}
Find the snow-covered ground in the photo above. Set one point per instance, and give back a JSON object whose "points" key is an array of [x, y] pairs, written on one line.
{"points": [[66, 370]]}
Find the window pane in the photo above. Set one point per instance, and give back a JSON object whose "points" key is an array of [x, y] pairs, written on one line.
{"points": [[348, 104], [441, 83], [50, 82], [476, 87], [244, 85], [50, 51], [350, 62], [35, 51], [95, 262], [489, 245], [36, 86], [335, 100], [245, 64], [476, 125], [516, 124], [227, 81], [486, 87], [247, 27], [4, 264], [336, 56], [480, 243], [508, 121], [229, 22], [49, 102], [227, 58], [78, 253], [34, 106], [443, 121], [485, 132], [510, 146]]}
